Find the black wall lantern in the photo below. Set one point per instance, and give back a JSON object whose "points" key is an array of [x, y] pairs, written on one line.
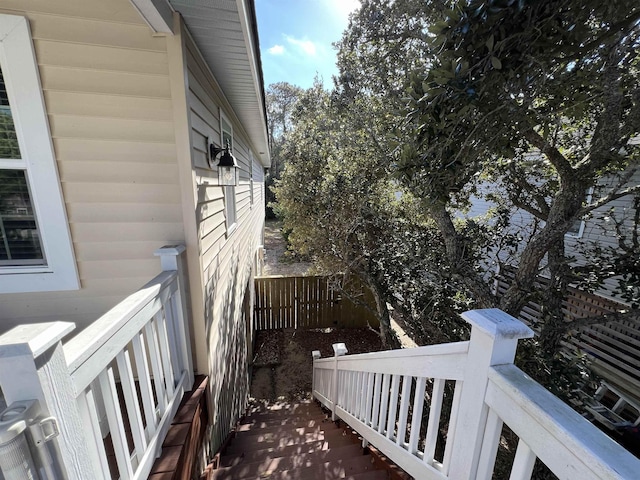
{"points": [[227, 166]]}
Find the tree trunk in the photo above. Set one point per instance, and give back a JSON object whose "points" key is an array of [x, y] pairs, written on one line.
{"points": [[561, 216], [387, 335], [553, 324], [455, 250]]}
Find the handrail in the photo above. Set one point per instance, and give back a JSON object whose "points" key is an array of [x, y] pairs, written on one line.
{"points": [[382, 396], [553, 430], [436, 361], [124, 375], [116, 328]]}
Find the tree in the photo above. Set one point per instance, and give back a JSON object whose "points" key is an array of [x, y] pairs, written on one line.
{"points": [[280, 99], [507, 78]]}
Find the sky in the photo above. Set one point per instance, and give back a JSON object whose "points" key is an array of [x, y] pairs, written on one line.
{"points": [[296, 38]]}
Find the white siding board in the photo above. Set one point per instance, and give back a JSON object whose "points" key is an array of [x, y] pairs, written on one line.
{"points": [[106, 85], [131, 232], [97, 150], [111, 106], [201, 126], [94, 32], [74, 126], [95, 9], [107, 269], [117, 172], [97, 81], [123, 212], [91, 251], [126, 193], [100, 57]]}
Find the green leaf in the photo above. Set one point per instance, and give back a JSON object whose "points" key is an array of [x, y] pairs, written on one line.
{"points": [[497, 64], [490, 43]]}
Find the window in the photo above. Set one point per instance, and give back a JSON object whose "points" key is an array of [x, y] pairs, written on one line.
{"points": [[251, 176], [226, 137], [36, 253], [577, 229]]}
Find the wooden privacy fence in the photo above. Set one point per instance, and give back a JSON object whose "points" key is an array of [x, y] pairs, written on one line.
{"points": [[310, 302], [577, 304], [613, 346]]}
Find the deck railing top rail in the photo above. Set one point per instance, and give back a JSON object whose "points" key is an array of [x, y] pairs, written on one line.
{"points": [[122, 376], [401, 401]]}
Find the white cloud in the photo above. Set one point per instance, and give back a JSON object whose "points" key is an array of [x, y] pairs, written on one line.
{"points": [[307, 46], [276, 50]]}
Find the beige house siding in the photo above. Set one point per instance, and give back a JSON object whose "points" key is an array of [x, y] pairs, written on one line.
{"points": [[221, 263], [107, 92]]}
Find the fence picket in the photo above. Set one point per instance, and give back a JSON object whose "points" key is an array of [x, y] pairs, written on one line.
{"points": [[307, 302]]}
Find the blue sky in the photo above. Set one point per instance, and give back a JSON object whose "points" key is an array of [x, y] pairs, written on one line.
{"points": [[296, 37]]}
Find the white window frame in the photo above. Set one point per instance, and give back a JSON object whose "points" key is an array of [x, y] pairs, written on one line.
{"points": [[251, 195], [580, 232], [230, 212], [20, 71]]}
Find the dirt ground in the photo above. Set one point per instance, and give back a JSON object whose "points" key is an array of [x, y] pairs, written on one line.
{"points": [[282, 367], [276, 262]]}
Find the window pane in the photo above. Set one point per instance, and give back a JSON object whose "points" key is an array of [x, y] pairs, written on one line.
{"points": [[8, 140], [19, 237]]}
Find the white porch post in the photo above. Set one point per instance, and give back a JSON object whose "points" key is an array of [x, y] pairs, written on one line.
{"points": [[33, 366], [315, 355], [339, 350], [494, 339], [171, 259]]}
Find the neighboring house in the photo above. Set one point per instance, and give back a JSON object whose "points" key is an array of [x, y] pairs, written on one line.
{"points": [[597, 228], [107, 108]]}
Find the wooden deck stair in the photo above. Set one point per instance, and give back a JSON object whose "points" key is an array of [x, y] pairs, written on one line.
{"points": [[293, 442]]}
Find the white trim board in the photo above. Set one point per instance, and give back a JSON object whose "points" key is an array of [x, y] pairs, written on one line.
{"points": [[20, 72]]}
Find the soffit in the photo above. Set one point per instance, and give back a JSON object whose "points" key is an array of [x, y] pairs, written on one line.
{"points": [[224, 32]]}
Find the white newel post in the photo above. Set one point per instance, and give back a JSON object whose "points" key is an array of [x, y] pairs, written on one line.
{"points": [[33, 366], [494, 339], [315, 355], [339, 349], [171, 259]]}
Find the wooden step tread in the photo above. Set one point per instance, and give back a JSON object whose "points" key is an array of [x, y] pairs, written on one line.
{"points": [[277, 462], [249, 423], [332, 470], [230, 458], [284, 440], [282, 431]]}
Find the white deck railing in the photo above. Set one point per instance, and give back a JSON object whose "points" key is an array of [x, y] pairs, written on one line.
{"points": [[126, 372], [385, 397]]}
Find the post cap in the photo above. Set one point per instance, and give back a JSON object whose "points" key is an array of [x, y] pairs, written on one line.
{"points": [[340, 349], [33, 339], [497, 323], [316, 354], [170, 250]]}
